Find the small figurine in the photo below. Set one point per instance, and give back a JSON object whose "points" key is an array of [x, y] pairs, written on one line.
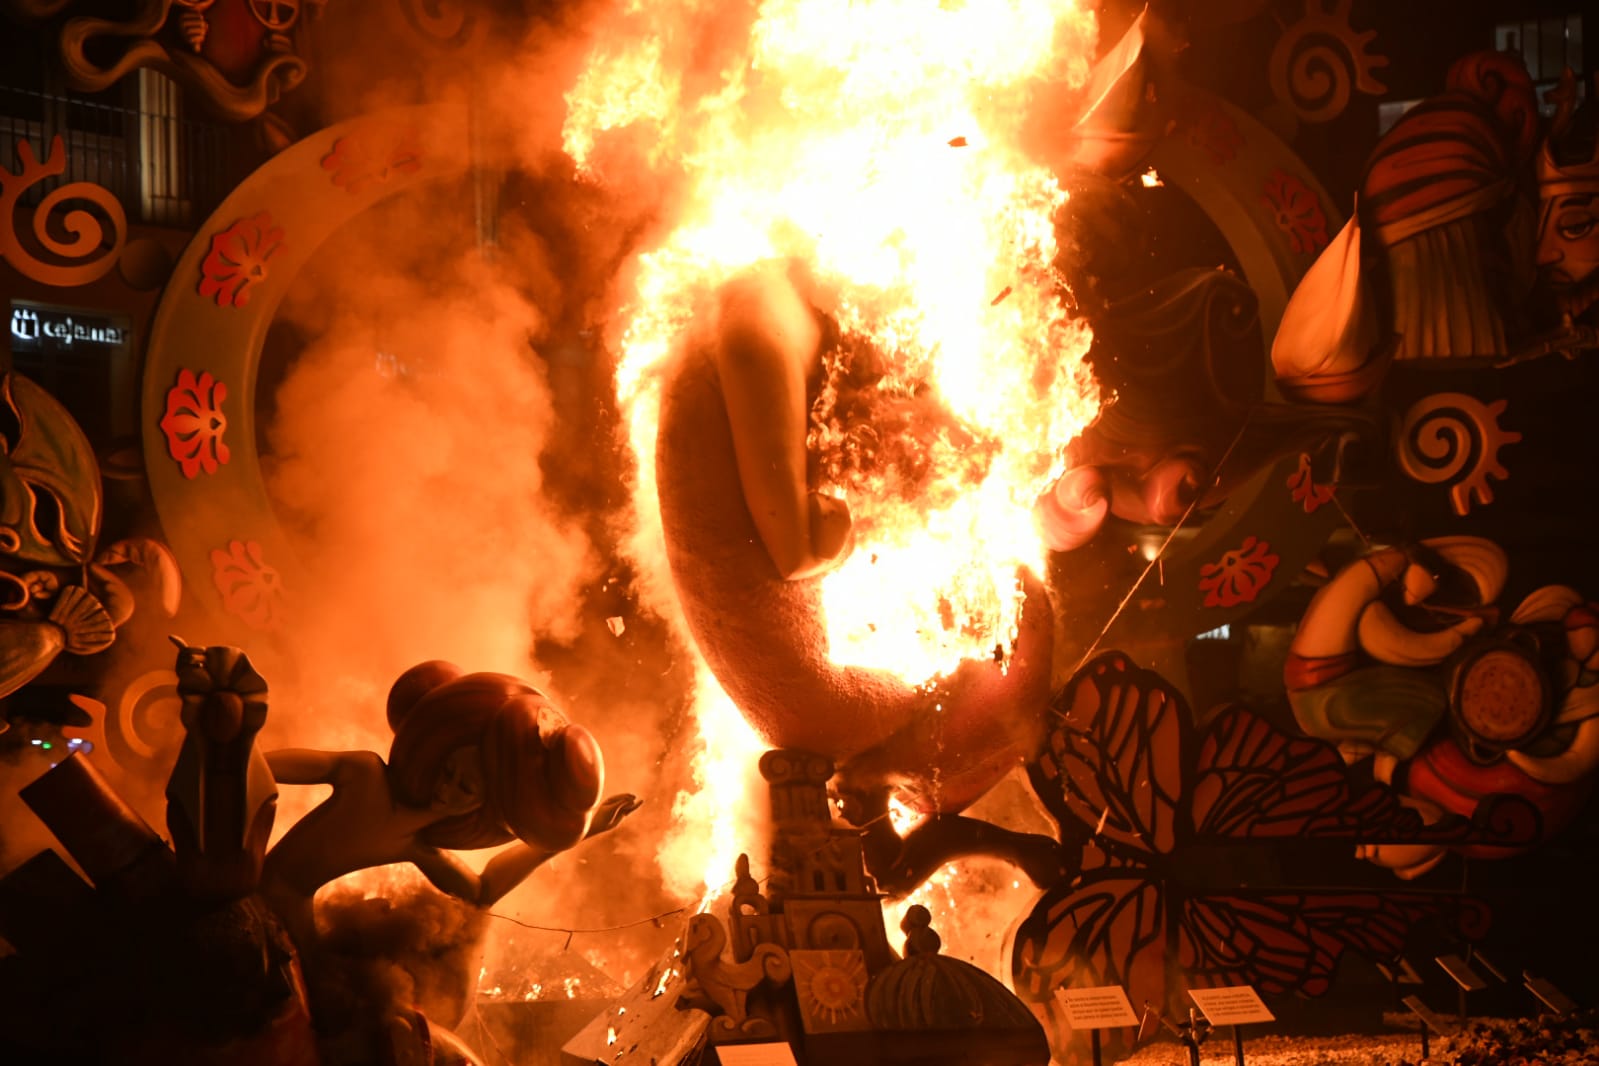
{"points": [[478, 760]]}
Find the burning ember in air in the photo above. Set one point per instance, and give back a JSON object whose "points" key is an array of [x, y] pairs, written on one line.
{"points": [[878, 143]]}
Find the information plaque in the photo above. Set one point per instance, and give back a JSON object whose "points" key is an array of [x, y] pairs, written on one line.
{"points": [[777, 1054], [1550, 996], [1460, 971], [1430, 1018], [1231, 1005], [1105, 1007], [1401, 974], [1487, 966]]}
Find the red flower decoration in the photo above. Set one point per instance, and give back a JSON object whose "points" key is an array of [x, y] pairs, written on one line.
{"points": [[250, 589], [1239, 575], [1213, 131], [194, 423], [357, 163], [1298, 212], [1304, 488], [238, 259]]}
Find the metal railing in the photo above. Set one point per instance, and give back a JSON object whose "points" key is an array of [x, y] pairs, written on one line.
{"points": [[165, 169]]}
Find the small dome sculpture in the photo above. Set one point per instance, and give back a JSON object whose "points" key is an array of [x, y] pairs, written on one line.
{"points": [[928, 991]]}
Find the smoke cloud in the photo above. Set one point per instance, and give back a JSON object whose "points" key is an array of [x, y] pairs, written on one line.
{"points": [[443, 447]]}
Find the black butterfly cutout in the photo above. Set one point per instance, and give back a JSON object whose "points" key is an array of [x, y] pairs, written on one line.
{"points": [[1164, 808]]}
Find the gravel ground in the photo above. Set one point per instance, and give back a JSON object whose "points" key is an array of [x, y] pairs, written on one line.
{"points": [[1267, 1050], [1568, 1041]]}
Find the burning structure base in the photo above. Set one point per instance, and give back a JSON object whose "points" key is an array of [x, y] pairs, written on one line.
{"points": [[803, 960]]}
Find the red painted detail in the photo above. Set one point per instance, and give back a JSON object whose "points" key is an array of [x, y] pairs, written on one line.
{"points": [[356, 163], [251, 590], [194, 423], [1213, 131], [1305, 492], [1297, 211], [239, 259], [1239, 575]]}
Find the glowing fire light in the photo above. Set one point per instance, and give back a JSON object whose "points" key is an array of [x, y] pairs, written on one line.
{"points": [[878, 142], [667, 976], [699, 852], [902, 816]]}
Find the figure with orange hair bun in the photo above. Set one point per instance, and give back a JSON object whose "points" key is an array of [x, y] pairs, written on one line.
{"points": [[478, 760]]}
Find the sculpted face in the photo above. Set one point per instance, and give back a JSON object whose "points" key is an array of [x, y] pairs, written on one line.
{"points": [[460, 785], [1568, 246]]}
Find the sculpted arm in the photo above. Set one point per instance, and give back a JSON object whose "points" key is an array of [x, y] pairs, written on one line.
{"points": [[766, 346], [510, 867], [504, 872], [307, 766], [447, 873]]}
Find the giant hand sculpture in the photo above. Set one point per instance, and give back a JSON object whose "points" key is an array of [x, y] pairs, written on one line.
{"points": [[746, 538]]}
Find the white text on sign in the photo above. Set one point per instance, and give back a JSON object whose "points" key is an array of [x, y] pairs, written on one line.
{"points": [[1231, 1005], [1105, 1007]]}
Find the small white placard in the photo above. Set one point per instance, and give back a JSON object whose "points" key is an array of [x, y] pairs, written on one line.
{"points": [[1231, 1005], [1461, 973], [1105, 1007], [755, 1055]]}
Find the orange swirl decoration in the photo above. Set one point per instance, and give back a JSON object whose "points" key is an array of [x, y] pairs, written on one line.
{"points": [[85, 257], [1321, 60]]}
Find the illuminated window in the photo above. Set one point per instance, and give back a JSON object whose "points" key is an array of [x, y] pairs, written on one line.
{"points": [[132, 139], [1547, 46], [161, 194], [1390, 112]]}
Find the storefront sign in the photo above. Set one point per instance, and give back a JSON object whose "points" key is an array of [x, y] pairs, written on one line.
{"points": [[35, 328]]}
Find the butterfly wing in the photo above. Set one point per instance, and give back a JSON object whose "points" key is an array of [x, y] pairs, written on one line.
{"points": [[1114, 756], [1107, 927], [1284, 942], [1112, 774], [1253, 781]]}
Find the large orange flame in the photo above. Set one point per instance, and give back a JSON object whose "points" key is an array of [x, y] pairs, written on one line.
{"points": [[877, 141]]}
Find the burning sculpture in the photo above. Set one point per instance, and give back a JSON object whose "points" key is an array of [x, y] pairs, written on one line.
{"points": [[853, 361], [765, 636], [803, 956], [926, 292]]}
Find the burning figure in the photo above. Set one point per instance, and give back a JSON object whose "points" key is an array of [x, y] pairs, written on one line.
{"points": [[767, 356], [847, 367], [478, 760], [746, 537]]}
